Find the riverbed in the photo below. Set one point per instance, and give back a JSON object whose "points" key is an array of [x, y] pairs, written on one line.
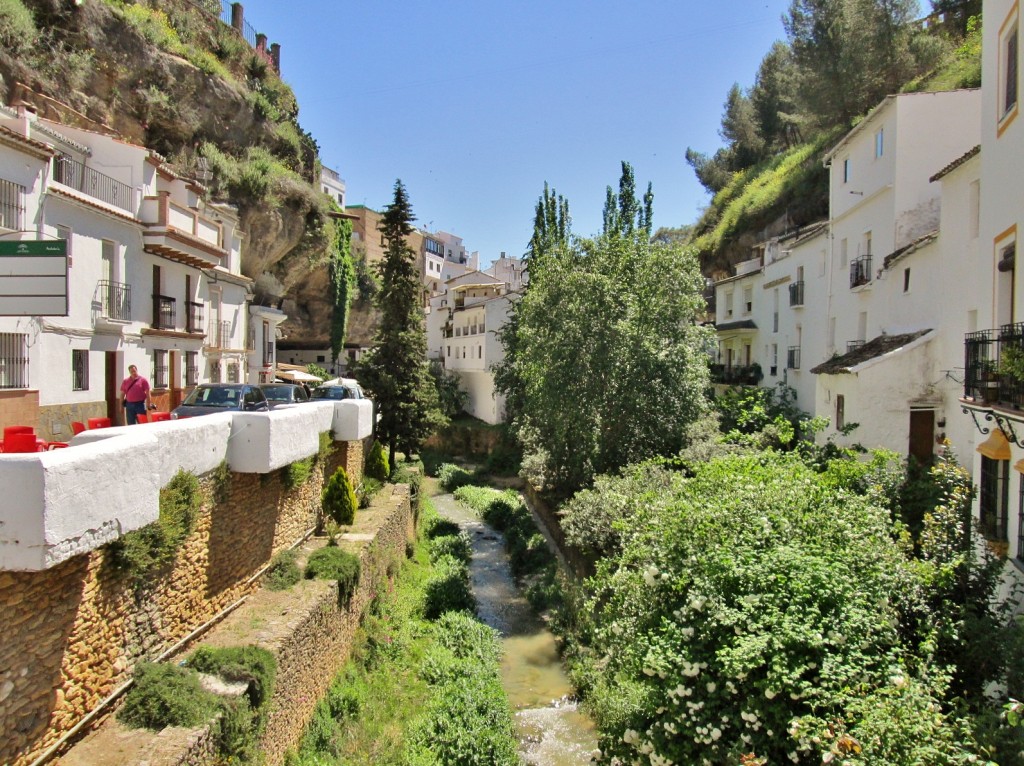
{"points": [[552, 731]]}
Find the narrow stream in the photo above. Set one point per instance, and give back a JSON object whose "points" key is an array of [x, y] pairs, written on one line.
{"points": [[552, 732]]}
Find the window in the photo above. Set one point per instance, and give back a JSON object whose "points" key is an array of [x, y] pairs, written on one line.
{"points": [[906, 280], [215, 372], [191, 368], [866, 243], [775, 307], [748, 299], [321, 358], [159, 369], [728, 304], [479, 352], [12, 205], [994, 497], [879, 143], [846, 170], [233, 372], [775, 359], [840, 412], [13, 360], [1008, 65], [79, 369], [449, 351]]}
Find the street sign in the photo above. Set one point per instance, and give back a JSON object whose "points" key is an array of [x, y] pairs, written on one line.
{"points": [[34, 278]]}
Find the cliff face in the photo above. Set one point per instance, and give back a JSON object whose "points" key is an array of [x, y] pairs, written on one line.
{"points": [[177, 80]]}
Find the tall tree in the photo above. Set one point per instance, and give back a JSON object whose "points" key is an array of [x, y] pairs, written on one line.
{"points": [[774, 98], [395, 371], [624, 214], [607, 364]]}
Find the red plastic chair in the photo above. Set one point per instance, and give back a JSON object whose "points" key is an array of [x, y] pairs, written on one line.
{"points": [[56, 445], [99, 423], [8, 430], [77, 426], [159, 417], [21, 442], [142, 418]]}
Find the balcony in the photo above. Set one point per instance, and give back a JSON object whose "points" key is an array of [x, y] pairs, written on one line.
{"points": [[193, 317], [219, 335], [994, 361], [860, 271], [163, 312], [793, 358], [78, 176], [796, 294], [181, 233], [115, 301], [736, 374]]}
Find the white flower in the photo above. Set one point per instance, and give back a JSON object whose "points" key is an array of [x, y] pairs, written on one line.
{"points": [[769, 694], [899, 681], [716, 734], [712, 686]]}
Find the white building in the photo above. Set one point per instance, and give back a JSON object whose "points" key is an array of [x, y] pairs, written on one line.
{"points": [[993, 399], [333, 185], [153, 277], [462, 326]]}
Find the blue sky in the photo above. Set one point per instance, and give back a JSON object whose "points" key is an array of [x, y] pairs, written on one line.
{"points": [[475, 104]]}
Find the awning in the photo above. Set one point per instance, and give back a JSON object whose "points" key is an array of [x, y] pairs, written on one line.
{"points": [[297, 376], [995, 447]]}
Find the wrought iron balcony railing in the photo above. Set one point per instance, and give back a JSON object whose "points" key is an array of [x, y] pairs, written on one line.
{"points": [[737, 374], [116, 300], [994, 363], [796, 294], [860, 271], [79, 176], [163, 312]]}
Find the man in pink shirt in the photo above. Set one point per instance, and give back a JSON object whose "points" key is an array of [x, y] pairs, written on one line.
{"points": [[134, 395]]}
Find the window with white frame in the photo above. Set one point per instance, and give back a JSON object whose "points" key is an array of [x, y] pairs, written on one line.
{"points": [[233, 372], [79, 369]]}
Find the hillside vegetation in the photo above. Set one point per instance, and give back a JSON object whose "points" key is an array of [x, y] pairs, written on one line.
{"points": [[169, 75], [841, 57]]}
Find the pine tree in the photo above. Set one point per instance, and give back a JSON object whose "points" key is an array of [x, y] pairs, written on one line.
{"points": [[395, 371], [342, 274]]}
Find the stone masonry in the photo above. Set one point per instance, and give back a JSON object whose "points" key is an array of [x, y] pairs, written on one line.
{"points": [[72, 634]]}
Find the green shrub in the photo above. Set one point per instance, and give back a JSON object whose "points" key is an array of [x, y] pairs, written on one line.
{"points": [[451, 477], [138, 553], [447, 589], [283, 572], [166, 695], [435, 526], [325, 448], [240, 664], [377, 463], [295, 474], [467, 721], [339, 500], [18, 31], [331, 563], [456, 546], [368, 489]]}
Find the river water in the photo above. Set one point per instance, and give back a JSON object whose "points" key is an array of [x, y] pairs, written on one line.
{"points": [[552, 731]]}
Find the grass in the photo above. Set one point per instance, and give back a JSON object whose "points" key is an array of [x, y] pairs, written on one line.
{"points": [[379, 707]]}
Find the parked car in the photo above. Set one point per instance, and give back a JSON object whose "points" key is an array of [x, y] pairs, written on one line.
{"points": [[346, 388], [209, 398], [284, 393]]}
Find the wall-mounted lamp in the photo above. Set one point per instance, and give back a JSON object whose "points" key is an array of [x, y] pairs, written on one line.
{"points": [[941, 422]]}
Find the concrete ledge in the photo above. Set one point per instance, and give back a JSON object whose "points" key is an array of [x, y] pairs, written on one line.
{"points": [[353, 420]]}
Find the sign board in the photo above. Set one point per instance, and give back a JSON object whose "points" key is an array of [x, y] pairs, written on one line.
{"points": [[34, 278]]}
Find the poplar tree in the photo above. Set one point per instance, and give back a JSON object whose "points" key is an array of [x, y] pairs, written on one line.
{"points": [[395, 371]]}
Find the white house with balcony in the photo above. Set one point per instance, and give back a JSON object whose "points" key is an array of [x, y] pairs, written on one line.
{"points": [[153, 277], [462, 326]]}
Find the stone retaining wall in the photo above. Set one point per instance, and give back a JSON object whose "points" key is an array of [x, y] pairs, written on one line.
{"points": [[70, 635]]}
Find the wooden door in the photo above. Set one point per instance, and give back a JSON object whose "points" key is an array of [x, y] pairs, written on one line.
{"points": [[922, 435], [111, 387]]}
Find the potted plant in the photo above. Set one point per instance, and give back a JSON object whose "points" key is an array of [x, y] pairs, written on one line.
{"points": [[1011, 362], [988, 380]]}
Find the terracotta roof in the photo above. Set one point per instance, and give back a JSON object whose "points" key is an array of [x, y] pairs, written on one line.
{"points": [[873, 349], [39, 148], [917, 244], [957, 163], [742, 324]]}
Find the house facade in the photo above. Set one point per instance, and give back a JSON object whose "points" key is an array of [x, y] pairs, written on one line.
{"points": [[153, 277]]}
